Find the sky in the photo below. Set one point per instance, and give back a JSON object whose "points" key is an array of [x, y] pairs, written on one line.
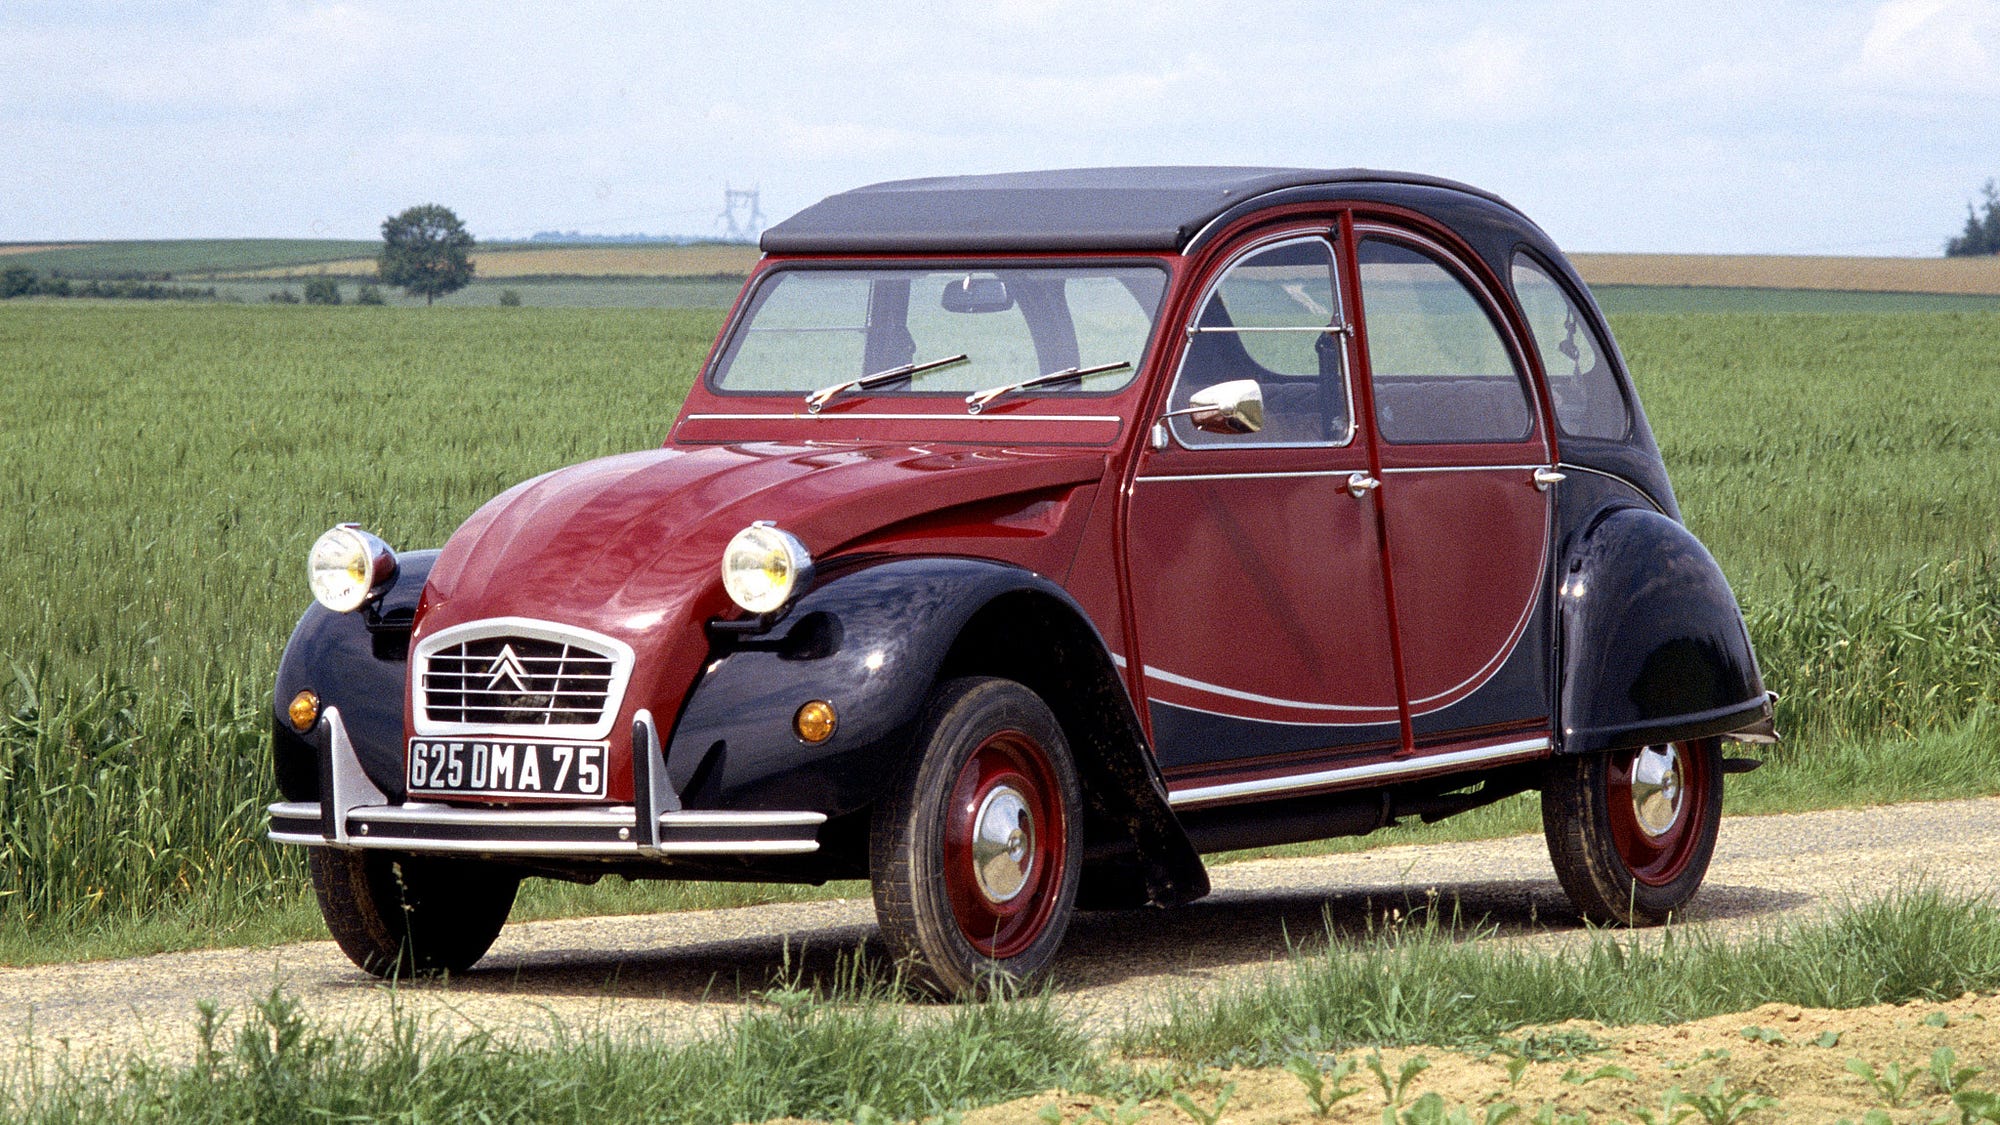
{"points": [[1744, 127]]}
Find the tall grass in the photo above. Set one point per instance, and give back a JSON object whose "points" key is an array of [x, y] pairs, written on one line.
{"points": [[1424, 982], [162, 471], [844, 1059]]}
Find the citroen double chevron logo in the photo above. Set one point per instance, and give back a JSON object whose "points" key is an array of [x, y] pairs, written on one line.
{"points": [[506, 668]]}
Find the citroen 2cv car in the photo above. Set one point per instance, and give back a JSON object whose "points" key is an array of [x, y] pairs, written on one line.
{"points": [[1024, 538]]}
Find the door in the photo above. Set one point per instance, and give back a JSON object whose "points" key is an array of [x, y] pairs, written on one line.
{"points": [[1261, 619], [1460, 443]]}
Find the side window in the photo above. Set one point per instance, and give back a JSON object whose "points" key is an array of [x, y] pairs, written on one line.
{"points": [[1441, 369], [1268, 319], [1588, 403]]}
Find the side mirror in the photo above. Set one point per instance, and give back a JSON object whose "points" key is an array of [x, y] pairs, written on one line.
{"points": [[1235, 407], [977, 295]]}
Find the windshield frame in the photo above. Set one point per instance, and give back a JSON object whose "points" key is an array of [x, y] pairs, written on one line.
{"points": [[771, 267]]}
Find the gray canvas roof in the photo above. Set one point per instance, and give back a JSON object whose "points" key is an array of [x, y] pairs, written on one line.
{"points": [[1134, 209]]}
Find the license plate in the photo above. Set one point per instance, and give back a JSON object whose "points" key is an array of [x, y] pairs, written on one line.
{"points": [[507, 767]]}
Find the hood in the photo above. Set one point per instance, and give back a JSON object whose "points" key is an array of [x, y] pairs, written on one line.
{"points": [[624, 544]]}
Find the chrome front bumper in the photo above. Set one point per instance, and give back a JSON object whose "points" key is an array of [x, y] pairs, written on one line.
{"points": [[359, 815]]}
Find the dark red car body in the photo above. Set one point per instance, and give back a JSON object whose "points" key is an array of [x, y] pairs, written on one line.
{"points": [[1243, 643]]}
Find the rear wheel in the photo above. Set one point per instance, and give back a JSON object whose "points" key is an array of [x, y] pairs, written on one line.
{"points": [[1631, 831], [975, 856], [405, 916]]}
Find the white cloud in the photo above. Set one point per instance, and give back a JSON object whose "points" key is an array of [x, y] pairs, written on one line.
{"points": [[1931, 45]]}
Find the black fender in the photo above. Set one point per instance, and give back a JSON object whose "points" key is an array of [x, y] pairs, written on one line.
{"points": [[875, 639], [1652, 641], [359, 663]]}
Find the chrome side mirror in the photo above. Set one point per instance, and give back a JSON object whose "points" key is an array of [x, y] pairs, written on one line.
{"points": [[1235, 407]]}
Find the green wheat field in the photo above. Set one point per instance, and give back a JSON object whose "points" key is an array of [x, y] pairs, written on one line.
{"points": [[164, 466]]}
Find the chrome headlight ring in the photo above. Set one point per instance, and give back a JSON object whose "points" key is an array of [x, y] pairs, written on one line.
{"points": [[764, 568], [347, 567]]}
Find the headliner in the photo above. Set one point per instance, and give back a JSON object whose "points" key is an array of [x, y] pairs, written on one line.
{"points": [[1117, 209]]}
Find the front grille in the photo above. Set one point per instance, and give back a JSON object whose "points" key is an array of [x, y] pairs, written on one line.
{"points": [[517, 681]]}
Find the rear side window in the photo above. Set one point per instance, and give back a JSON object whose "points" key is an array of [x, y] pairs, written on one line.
{"points": [[1588, 403], [1442, 372]]}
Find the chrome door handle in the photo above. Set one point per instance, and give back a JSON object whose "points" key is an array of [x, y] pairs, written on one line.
{"points": [[1361, 484], [1546, 477]]}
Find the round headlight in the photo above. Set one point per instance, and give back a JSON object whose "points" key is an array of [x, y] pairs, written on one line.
{"points": [[763, 567], [347, 566]]}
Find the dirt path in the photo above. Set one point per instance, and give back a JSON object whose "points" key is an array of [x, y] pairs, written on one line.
{"points": [[684, 972]]}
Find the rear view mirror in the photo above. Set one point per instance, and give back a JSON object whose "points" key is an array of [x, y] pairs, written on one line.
{"points": [[977, 295], [1235, 407]]}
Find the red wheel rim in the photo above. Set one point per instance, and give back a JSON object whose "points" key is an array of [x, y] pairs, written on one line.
{"points": [[1658, 797], [1005, 845]]}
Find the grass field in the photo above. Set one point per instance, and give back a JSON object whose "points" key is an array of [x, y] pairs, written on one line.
{"points": [[183, 257], [531, 261], [1980, 275], [163, 468]]}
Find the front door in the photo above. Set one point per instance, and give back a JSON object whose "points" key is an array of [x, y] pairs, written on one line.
{"points": [[1460, 442], [1262, 622]]}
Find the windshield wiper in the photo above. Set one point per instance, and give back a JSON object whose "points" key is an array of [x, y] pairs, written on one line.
{"points": [[978, 401], [824, 395]]}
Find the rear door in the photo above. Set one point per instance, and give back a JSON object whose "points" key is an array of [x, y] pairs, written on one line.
{"points": [[1459, 441]]}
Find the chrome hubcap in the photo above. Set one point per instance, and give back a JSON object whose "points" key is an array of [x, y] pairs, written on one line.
{"points": [[1003, 844], [1656, 788]]}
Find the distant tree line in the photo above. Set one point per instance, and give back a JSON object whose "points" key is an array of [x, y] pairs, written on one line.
{"points": [[20, 281], [1982, 231]]}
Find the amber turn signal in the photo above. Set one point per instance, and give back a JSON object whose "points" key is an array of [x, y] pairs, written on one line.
{"points": [[815, 721], [303, 711]]}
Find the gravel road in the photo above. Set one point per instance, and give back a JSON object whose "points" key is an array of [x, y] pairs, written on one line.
{"points": [[679, 973]]}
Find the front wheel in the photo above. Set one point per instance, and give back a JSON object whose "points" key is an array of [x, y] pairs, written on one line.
{"points": [[404, 916], [1631, 831], [975, 856]]}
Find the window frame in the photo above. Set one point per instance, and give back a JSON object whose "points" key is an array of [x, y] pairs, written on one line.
{"points": [[1328, 236], [1496, 315]]}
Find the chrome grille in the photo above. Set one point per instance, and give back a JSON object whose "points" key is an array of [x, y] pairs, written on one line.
{"points": [[518, 681]]}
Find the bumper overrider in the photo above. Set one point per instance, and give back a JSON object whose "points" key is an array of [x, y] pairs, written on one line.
{"points": [[354, 813]]}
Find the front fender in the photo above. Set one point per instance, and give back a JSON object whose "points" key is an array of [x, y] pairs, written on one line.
{"points": [[358, 662], [871, 642], [1653, 644]]}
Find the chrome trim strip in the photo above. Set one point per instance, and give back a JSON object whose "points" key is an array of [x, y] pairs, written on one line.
{"points": [[1253, 697], [1210, 793], [1464, 468], [1643, 494], [612, 816], [1326, 725], [910, 417], [620, 653], [1243, 476]]}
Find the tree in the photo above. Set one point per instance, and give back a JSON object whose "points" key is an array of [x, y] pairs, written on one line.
{"points": [[425, 250], [322, 291], [1982, 233]]}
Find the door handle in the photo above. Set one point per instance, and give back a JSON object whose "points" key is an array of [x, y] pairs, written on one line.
{"points": [[1361, 484], [1546, 477]]}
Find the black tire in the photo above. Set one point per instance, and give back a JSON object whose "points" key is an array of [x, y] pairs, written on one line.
{"points": [[411, 916], [1627, 854], [988, 753]]}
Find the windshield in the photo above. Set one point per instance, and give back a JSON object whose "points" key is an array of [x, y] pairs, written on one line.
{"points": [[807, 330]]}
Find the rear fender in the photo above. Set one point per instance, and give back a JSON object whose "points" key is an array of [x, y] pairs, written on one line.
{"points": [[875, 642], [359, 663], [1653, 644]]}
